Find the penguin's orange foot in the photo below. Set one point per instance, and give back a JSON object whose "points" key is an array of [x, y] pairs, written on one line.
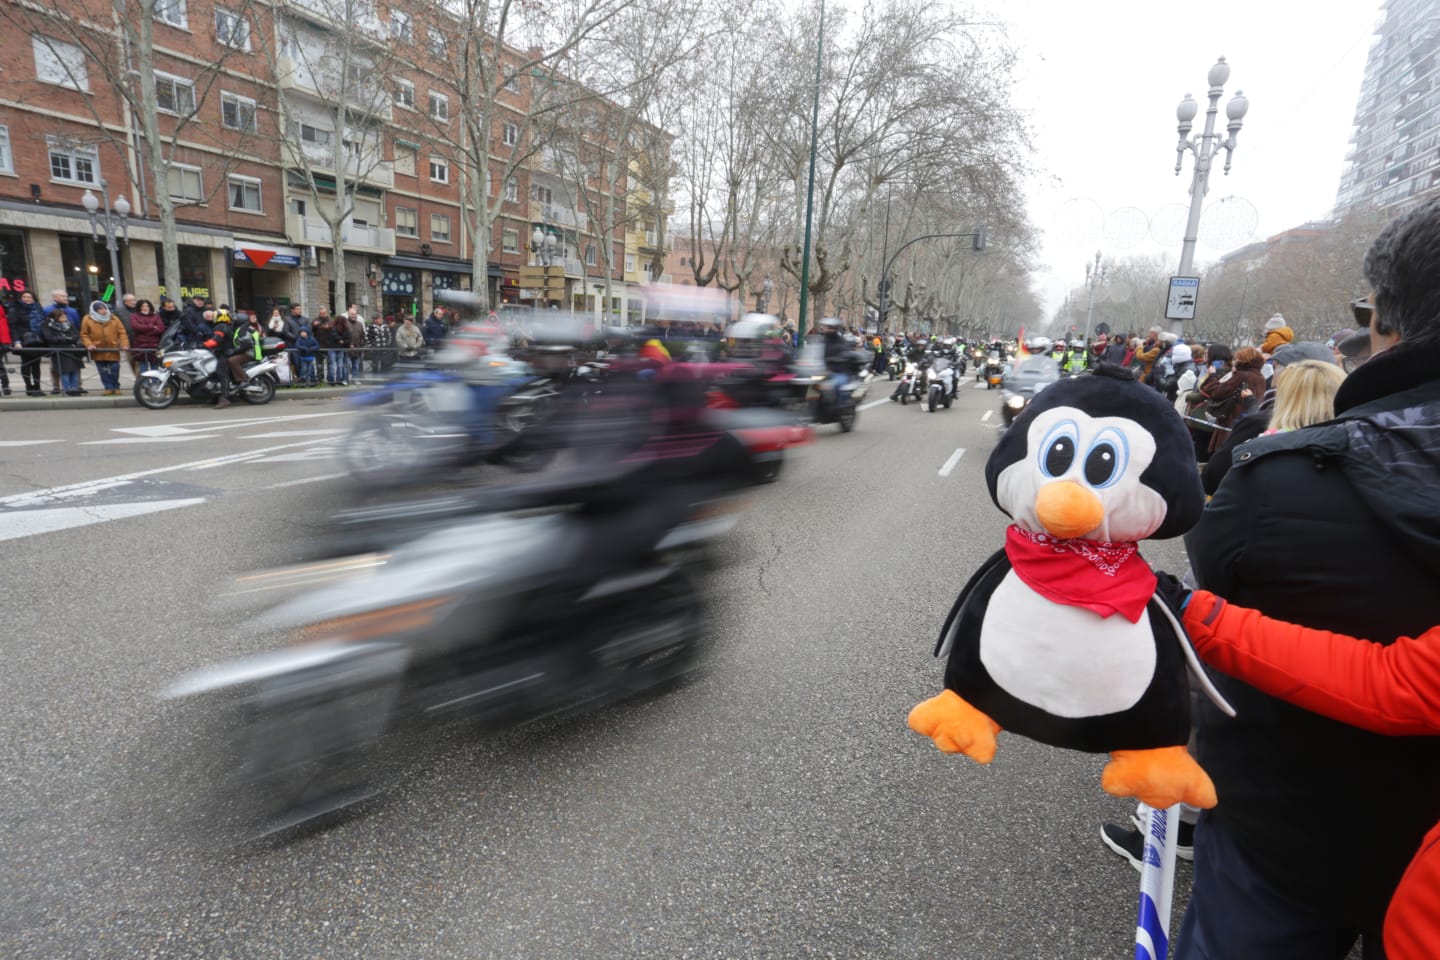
{"points": [[955, 726], [1160, 778]]}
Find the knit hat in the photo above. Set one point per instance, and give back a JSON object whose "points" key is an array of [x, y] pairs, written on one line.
{"points": [[100, 310], [1275, 323], [1180, 353], [1295, 352]]}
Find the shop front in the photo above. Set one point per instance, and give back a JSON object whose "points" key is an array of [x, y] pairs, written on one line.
{"points": [[399, 292], [264, 276], [195, 276], [14, 266]]}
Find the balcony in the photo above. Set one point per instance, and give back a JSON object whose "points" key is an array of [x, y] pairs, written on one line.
{"points": [[365, 96], [345, 15], [574, 269], [308, 231], [362, 169], [541, 212]]}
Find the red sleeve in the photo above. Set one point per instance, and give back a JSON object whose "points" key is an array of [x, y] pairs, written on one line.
{"points": [[1391, 689]]}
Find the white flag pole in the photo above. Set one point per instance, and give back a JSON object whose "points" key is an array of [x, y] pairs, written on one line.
{"points": [[1157, 883]]}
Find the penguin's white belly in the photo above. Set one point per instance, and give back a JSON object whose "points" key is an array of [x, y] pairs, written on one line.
{"points": [[1068, 661]]}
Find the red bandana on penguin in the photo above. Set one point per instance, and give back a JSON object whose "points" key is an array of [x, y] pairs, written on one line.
{"points": [[1093, 574]]}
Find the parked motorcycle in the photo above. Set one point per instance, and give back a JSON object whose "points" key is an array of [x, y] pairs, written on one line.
{"points": [[194, 371]]}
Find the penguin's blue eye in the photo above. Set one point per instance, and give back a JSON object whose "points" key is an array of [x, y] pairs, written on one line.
{"points": [[1106, 459], [1057, 452]]}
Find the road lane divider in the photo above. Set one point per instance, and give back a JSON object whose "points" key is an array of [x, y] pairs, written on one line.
{"points": [[873, 403], [951, 462], [986, 417]]}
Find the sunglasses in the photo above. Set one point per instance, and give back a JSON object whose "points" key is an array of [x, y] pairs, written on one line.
{"points": [[1363, 310]]}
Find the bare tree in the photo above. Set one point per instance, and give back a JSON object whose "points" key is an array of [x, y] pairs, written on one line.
{"points": [[331, 61]]}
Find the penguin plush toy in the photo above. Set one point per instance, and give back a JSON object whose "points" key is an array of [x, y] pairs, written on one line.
{"points": [[1060, 636]]}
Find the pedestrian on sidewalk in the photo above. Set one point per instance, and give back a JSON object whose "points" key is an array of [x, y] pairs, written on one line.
{"points": [[60, 300], [67, 355], [357, 342], [6, 344], [146, 329], [27, 322], [103, 335]]}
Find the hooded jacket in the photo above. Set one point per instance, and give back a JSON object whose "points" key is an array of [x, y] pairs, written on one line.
{"points": [[1336, 527], [104, 336], [64, 343], [1277, 338]]}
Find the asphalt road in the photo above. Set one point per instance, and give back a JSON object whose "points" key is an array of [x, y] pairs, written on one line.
{"points": [[773, 806]]}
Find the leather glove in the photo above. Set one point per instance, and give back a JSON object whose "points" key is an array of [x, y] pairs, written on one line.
{"points": [[1175, 594]]}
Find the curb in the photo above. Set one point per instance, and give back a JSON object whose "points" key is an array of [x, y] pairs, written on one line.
{"points": [[22, 404]]}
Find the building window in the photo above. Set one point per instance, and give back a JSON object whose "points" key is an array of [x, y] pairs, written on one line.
{"points": [[512, 85], [510, 134], [439, 107], [59, 63], [245, 194], [543, 194], [174, 94], [405, 94], [7, 159], [436, 41], [439, 228], [315, 135], [439, 170], [357, 73], [74, 164], [232, 30], [590, 254], [237, 113], [510, 241], [184, 182], [171, 12], [405, 160], [400, 26], [512, 190], [629, 263], [406, 222]]}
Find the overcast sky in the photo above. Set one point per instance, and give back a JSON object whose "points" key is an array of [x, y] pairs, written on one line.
{"points": [[1100, 83]]}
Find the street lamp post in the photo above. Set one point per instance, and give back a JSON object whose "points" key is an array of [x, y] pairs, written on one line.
{"points": [[113, 220], [542, 244], [1094, 277], [810, 184], [979, 240], [1204, 147]]}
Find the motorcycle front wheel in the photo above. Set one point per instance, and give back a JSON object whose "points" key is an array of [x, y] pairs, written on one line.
{"points": [[847, 419], [935, 397], [153, 395]]}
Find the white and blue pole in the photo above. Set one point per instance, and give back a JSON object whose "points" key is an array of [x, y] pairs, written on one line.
{"points": [[1157, 883]]}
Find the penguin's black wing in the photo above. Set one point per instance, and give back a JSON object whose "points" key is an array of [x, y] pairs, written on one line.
{"points": [[997, 563]]}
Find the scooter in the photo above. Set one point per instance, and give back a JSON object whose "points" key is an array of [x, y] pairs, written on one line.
{"points": [[941, 384], [994, 372]]}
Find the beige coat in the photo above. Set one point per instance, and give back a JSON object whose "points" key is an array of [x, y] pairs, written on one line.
{"points": [[104, 340]]}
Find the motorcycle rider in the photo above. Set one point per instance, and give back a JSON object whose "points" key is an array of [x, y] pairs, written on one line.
{"points": [[838, 354], [247, 345], [221, 339]]}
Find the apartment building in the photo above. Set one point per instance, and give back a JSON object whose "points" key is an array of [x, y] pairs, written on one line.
{"points": [[1394, 159], [276, 118]]}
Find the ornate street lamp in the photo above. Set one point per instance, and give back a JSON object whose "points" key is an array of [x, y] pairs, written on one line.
{"points": [[113, 221]]}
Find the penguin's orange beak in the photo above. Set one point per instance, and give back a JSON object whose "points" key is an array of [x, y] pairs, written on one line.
{"points": [[1066, 510]]}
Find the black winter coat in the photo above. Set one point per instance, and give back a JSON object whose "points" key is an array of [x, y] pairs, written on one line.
{"points": [[1336, 526], [63, 341]]}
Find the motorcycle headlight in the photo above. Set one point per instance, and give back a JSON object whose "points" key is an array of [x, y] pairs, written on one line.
{"points": [[1016, 402], [166, 363]]}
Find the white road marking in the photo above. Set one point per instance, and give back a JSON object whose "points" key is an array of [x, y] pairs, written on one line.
{"points": [[179, 438], [25, 443], [873, 403], [986, 416], [291, 433], [950, 463], [208, 426], [47, 494], [28, 523], [296, 483]]}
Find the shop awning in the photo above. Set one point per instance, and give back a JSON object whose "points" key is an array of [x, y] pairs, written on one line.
{"points": [[425, 263]]}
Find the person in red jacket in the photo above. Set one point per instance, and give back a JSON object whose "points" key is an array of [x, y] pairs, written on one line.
{"points": [[1391, 689]]}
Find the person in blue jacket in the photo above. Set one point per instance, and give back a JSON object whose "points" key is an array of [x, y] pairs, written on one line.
{"points": [[307, 347]]}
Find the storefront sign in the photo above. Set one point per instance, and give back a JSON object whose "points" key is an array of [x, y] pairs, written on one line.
{"points": [[261, 258], [187, 292], [13, 285]]}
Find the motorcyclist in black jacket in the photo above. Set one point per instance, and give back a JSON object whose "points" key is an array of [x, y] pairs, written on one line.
{"points": [[220, 342]]}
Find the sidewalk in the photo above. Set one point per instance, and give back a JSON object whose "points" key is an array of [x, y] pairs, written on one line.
{"points": [[90, 380]]}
